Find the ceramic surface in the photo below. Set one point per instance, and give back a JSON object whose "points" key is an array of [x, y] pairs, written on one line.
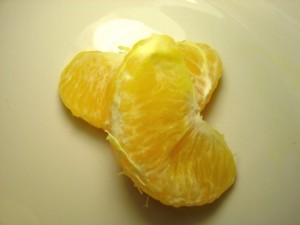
{"points": [[56, 169]]}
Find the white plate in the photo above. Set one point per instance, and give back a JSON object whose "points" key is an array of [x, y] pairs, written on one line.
{"points": [[55, 169]]}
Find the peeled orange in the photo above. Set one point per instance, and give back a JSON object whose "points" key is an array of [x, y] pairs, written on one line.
{"points": [[149, 103], [85, 81], [157, 132], [204, 64], [85, 85]]}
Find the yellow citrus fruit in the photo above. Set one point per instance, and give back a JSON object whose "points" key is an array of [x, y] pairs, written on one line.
{"points": [[204, 64], [85, 81], [157, 132], [85, 84], [149, 102]]}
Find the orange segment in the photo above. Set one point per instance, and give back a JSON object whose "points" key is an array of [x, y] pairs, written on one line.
{"points": [[86, 79], [149, 102], [205, 66], [157, 133], [85, 83]]}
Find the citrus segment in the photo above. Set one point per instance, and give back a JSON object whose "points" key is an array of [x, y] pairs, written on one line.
{"points": [[85, 85], [205, 67], [157, 132], [87, 78]]}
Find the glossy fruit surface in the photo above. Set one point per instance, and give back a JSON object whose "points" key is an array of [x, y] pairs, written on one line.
{"points": [[85, 82], [149, 102]]}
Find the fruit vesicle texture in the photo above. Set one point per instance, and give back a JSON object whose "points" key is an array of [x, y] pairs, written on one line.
{"points": [[149, 101]]}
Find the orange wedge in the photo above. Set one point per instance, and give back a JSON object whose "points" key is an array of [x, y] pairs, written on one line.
{"points": [[85, 81], [149, 102], [85, 84], [157, 132]]}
